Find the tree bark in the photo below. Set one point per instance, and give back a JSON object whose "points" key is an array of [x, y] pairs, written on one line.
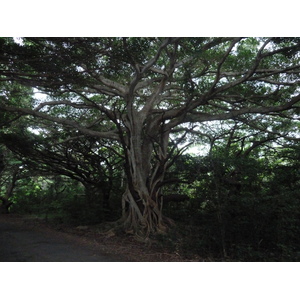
{"points": [[145, 151], [142, 212]]}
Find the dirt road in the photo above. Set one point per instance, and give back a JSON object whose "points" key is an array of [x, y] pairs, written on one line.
{"points": [[21, 242]]}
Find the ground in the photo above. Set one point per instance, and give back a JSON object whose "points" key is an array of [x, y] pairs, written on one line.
{"points": [[26, 238]]}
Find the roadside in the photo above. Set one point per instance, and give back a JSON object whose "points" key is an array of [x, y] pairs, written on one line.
{"points": [[23, 241], [30, 239]]}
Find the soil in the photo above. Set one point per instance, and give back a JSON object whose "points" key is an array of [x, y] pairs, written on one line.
{"points": [[29, 239]]}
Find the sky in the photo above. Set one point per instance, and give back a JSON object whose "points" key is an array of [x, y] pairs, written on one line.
{"points": [[151, 18]]}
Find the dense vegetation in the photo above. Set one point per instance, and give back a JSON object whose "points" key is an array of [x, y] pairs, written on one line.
{"points": [[111, 137]]}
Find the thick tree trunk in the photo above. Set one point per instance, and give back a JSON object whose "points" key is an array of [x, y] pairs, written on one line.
{"points": [[145, 169], [142, 214]]}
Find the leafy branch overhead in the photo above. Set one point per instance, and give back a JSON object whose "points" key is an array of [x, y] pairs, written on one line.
{"points": [[168, 78]]}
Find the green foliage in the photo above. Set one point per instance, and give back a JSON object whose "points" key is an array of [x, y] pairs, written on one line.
{"points": [[60, 200], [241, 208]]}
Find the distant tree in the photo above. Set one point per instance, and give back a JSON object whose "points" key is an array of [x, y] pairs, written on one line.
{"points": [[10, 173], [85, 160]]}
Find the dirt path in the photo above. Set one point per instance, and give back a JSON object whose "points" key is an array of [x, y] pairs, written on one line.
{"points": [[34, 240], [22, 242]]}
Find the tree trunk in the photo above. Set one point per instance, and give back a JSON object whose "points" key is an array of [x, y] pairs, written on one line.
{"points": [[142, 214], [145, 167], [4, 207]]}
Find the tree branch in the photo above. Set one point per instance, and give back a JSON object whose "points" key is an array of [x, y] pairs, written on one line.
{"points": [[68, 123], [201, 117]]}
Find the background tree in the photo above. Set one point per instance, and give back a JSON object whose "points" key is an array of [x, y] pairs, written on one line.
{"points": [[143, 90], [244, 197], [85, 160], [10, 174]]}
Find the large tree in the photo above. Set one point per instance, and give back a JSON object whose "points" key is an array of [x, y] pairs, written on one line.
{"points": [[142, 92]]}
